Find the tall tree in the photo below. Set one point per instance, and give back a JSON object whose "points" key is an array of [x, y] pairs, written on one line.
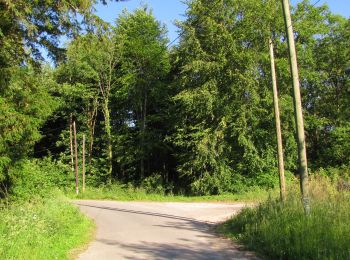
{"points": [[224, 124], [24, 107], [144, 66], [90, 69]]}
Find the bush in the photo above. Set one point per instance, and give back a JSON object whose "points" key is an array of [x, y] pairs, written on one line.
{"points": [[282, 230], [33, 178], [335, 173], [227, 181], [216, 184], [154, 184]]}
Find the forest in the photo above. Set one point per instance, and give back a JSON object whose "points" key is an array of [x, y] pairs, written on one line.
{"points": [[190, 117]]}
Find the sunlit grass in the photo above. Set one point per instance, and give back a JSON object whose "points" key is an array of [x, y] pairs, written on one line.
{"points": [[282, 231], [124, 193], [42, 229]]}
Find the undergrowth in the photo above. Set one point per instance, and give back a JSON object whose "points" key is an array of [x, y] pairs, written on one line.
{"points": [[45, 228], [282, 231], [36, 219]]}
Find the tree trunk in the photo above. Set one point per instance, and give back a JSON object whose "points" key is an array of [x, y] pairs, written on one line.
{"points": [[91, 125], [109, 140], [71, 142], [299, 122], [76, 159], [83, 163], [278, 124], [143, 129]]}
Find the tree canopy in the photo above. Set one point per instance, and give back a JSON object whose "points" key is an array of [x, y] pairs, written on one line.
{"points": [[196, 118]]}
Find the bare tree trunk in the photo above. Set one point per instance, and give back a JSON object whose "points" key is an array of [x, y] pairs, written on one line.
{"points": [[278, 124], [76, 160], [83, 163], [142, 161], [71, 142], [303, 171], [109, 140], [143, 130], [91, 124]]}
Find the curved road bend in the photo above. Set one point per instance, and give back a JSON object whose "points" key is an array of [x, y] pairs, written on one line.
{"points": [[156, 230]]}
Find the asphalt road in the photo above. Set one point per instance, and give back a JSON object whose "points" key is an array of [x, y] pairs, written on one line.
{"points": [[155, 230]]}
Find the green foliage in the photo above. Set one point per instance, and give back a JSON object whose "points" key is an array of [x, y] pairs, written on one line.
{"points": [[154, 184], [283, 231], [43, 229], [38, 178], [335, 174], [338, 152], [194, 119], [142, 100], [223, 103], [88, 79], [25, 104], [27, 25], [221, 182]]}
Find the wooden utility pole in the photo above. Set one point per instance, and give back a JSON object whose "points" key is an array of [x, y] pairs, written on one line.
{"points": [[299, 122], [76, 159], [83, 163], [278, 123], [71, 142]]}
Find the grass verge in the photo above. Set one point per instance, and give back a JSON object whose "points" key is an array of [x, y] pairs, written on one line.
{"points": [[278, 230], [121, 193], [42, 229]]}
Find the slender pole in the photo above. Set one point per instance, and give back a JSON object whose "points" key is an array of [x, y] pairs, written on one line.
{"points": [[76, 159], [278, 123], [71, 142], [297, 108], [83, 163]]}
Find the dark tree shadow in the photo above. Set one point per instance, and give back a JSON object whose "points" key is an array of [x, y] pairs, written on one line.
{"points": [[148, 214]]}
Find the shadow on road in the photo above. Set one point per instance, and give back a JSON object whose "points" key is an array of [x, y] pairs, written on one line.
{"points": [[148, 214]]}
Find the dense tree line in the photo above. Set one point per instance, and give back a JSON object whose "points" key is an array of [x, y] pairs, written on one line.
{"points": [[194, 118]]}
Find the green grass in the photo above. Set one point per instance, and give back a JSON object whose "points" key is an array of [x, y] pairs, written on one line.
{"points": [[122, 193], [282, 231], [42, 229]]}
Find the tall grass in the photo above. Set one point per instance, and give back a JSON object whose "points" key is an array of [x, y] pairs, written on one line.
{"points": [[42, 229], [282, 231]]}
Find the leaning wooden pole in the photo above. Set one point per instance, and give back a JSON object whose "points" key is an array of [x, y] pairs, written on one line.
{"points": [[297, 108], [278, 123], [76, 159], [83, 163]]}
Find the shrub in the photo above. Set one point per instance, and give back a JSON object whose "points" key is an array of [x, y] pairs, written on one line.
{"points": [[32, 178], [218, 183], [153, 184]]}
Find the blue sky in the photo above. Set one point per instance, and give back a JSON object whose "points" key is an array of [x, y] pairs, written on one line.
{"points": [[167, 11]]}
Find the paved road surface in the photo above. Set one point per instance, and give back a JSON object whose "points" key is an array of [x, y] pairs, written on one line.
{"points": [[152, 230]]}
